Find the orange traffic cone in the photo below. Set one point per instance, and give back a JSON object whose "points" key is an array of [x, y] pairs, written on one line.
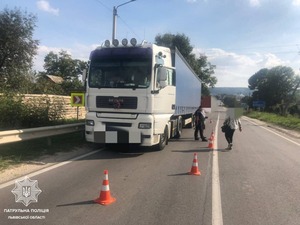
{"points": [[211, 141], [105, 197], [194, 169], [213, 135]]}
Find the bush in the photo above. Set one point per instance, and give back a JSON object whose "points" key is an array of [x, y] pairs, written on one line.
{"points": [[11, 109], [18, 113], [289, 122]]}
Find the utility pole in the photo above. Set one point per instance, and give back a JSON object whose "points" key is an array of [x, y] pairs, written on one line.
{"points": [[115, 13]]}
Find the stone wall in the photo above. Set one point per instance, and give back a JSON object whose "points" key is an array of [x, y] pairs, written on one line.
{"points": [[68, 111]]}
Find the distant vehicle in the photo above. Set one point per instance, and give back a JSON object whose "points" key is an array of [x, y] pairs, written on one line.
{"points": [[142, 94]]}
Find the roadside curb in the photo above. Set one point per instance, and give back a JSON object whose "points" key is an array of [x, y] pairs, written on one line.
{"points": [[292, 133]]}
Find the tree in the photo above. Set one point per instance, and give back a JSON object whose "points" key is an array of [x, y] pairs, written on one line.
{"points": [[256, 83], [276, 86], [205, 70], [17, 48], [64, 66], [201, 66], [257, 79], [179, 41]]}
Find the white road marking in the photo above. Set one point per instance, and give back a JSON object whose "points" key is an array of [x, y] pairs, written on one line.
{"points": [[48, 169], [271, 131], [217, 217]]}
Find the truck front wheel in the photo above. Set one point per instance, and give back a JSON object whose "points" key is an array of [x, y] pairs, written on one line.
{"points": [[179, 128], [163, 140]]}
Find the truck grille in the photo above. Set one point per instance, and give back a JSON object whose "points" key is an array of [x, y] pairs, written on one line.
{"points": [[116, 102]]}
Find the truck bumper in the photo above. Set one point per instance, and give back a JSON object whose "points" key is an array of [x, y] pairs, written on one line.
{"points": [[109, 130]]}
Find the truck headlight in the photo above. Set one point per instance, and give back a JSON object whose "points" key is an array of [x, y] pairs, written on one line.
{"points": [[144, 125], [89, 122]]}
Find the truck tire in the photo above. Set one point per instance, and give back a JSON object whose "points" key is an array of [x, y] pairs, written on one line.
{"points": [[179, 128], [163, 140]]}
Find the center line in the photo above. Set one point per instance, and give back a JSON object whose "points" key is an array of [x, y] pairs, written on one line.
{"points": [[217, 218]]}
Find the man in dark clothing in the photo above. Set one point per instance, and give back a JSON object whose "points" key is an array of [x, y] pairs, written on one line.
{"points": [[199, 123]]}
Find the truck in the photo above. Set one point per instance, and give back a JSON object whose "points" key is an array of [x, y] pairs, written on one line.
{"points": [[139, 94]]}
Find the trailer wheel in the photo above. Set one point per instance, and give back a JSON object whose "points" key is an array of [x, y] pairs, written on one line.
{"points": [[163, 140]]}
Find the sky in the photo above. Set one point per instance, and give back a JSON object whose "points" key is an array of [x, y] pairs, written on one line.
{"points": [[239, 37]]}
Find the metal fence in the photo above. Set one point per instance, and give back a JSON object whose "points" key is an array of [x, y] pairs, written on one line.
{"points": [[40, 132]]}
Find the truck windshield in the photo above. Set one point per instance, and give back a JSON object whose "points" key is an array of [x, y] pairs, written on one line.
{"points": [[120, 73]]}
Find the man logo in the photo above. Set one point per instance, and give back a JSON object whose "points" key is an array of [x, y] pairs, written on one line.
{"points": [[117, 104], [26, 191]]}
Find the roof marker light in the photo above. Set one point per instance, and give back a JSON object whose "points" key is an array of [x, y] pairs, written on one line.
{"points": [[124, 42], [133, 41], [107, 43], [116, 42]]}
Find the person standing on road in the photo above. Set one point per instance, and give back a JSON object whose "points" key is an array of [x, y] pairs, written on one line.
{"points": [[200, 123], [231, 125]]}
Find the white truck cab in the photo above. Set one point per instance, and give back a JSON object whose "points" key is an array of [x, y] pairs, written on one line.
{"points": [[131, 95]]}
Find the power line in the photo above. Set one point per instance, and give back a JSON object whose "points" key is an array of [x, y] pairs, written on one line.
{"points": [[105, 6], [111, 11], [131, 29]]}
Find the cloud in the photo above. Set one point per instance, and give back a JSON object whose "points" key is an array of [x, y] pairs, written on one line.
{"points": [[234, 70], [257, 3], [270, 60], [77, 51], [254, 3], [296, 2], [45, 6]]}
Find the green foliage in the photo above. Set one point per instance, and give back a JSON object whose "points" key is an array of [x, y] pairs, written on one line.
{"points": [[205, 71], [61, 65], [11, 110], [17, 48], [179, 41], [201, 66], [276, 86], [290, 122], [18, 113]]}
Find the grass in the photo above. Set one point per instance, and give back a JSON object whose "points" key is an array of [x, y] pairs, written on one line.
{"points": [[288, 122], [18, 152]]}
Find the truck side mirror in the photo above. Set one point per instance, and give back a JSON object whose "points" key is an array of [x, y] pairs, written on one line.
{"points": [[161, 74]]}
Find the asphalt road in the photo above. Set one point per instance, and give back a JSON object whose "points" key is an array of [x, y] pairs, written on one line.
{"points": [[257, 182]]}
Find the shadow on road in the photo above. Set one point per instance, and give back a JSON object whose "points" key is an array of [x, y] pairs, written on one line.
{"points": [[201, 150], [89, 202]]}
